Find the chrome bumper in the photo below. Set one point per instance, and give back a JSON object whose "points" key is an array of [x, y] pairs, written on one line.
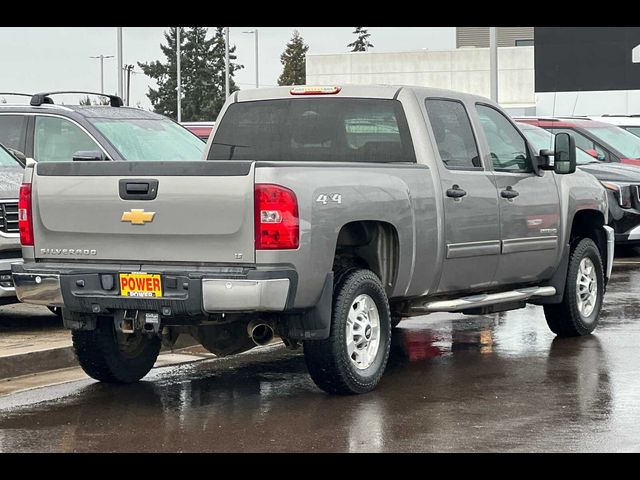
{"points": [[611, 246], [41, 289], [220, 295]]}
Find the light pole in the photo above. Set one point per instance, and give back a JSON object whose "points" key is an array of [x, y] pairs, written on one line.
{"points": [[226, 62], [119, 61], [255, 32], [493, 62], [128, 69], [178, 79], [102, 57]]}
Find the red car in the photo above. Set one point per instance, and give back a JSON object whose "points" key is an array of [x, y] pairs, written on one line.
{"points": [[199, 129], [603, 141]]}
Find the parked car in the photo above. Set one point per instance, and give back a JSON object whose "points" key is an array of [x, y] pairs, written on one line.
{"points": [[48, 132], [603, 141], [621, 181], [199, 129], [630, 123], [11, 171], [298, 227]]}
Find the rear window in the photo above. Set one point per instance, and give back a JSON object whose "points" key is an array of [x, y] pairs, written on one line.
{"points": [[314, 129]]}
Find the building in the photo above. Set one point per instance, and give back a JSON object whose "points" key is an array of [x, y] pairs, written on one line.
{"points": [[507, 37], [569, 71], [587, 70], [463, 69]]}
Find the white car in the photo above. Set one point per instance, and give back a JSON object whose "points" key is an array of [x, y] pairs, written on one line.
{"points": [[631, 123]]}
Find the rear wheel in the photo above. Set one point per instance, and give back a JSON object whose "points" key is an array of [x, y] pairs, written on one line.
{"points": [[114, 357], [353, 358], [579, 312]]}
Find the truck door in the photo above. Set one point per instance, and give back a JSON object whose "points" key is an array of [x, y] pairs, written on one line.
{"points": [[471, 228], [529, 204]]}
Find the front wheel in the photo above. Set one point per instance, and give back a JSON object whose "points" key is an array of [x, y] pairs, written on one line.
{"points": [[579, 312], [353, 358], [114, 357]]}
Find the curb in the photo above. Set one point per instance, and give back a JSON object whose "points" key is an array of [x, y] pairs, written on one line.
{"points": [[39, 361]]}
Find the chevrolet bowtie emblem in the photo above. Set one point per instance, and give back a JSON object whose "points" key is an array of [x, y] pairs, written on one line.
{"points": [[137, 216]]}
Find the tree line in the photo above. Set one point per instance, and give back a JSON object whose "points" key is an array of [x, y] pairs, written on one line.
{"points": [[202, 70]]}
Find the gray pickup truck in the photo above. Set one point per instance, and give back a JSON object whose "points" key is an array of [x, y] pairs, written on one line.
{"points": [[323, 216]]}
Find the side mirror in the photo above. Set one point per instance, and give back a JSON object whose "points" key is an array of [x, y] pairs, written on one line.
{"points": [[564, 154], [545, 161], [88, 156]]}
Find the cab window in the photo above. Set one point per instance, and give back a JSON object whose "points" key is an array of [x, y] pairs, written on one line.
{"points": [[454, 136], [508, 148]]}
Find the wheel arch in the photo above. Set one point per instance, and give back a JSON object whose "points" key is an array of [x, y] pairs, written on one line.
{"points": [[371, 244]]}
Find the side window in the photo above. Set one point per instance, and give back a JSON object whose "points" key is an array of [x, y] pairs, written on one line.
{"points": [[13, 130], [583, 143], [454, 136], [57, 139], [508, 148]]}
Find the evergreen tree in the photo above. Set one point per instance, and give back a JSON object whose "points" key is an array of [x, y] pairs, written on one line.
{"points": [[293, 61], [202, 71], [215, 93], [164, 99], [361, 43]]}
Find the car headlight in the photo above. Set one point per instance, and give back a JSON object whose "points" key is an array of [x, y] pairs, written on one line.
{"points": [[622, 192]]}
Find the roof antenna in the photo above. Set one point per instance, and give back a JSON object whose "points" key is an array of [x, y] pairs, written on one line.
{"points": [[574, 104]]}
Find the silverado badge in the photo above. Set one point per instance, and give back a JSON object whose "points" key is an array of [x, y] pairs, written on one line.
{"points": [[137, 216]]}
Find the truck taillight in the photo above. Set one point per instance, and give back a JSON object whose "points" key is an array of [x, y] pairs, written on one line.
{"points": [[276, 218], [25, 220]]}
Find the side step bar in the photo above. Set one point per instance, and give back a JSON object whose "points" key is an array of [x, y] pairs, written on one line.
{"points": [[483, 300]]}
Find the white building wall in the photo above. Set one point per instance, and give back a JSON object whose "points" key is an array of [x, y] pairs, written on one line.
{"points": [[465, 69], [622, 102]]}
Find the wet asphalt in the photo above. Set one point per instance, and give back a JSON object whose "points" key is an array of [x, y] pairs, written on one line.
{"points": [[454, 383]]}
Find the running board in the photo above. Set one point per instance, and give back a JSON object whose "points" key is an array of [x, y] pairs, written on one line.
{"points": [[483, 300]]}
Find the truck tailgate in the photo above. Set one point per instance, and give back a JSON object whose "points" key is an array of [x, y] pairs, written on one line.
{"points": [[202, 211]]}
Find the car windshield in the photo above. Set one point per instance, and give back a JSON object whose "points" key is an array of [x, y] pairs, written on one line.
{"points": [[543, 139], [626, 143], [7, 160], [150, 139]]}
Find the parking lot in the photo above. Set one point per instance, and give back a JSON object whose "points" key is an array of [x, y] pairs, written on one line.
{"points": [[500, 382]]}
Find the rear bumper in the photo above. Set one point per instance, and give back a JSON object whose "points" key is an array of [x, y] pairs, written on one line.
{"points": [[186, 292]]}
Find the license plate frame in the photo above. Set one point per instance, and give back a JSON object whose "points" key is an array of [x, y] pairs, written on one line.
{"points": [[140, 285]]}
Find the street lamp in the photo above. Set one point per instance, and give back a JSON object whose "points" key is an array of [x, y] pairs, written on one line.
{"points": [[102, 57], [226, 62], [255, 31]]}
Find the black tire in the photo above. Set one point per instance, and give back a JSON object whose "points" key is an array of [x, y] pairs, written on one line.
{"points": [[565, 319], [104, 358], [327, 360]]}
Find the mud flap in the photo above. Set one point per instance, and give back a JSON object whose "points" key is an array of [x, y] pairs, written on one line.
{"points": [[314, 324], [559, 281]]}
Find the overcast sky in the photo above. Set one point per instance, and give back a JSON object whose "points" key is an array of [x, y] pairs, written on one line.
{"points": [[57, 58]]}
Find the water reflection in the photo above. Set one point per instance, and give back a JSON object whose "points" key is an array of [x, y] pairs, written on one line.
{"points": [[449, 384]]}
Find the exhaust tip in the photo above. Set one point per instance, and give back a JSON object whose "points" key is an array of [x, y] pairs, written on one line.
{"points": [[261, 334]]}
